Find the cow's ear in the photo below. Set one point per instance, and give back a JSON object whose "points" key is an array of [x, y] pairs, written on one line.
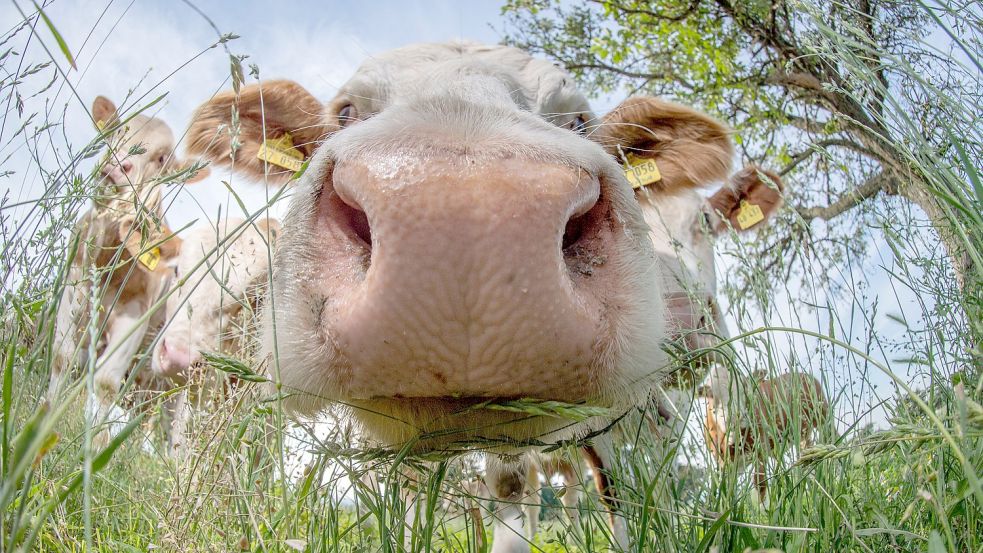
{"points": [[690, 148], [132, 237], [269, 228], [280, 111], [148, 242], [104, 112], [170, 248], [751, 197]]}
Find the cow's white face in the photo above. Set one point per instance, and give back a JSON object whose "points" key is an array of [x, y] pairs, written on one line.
{"points": [[683, 241], [140, 149], [219, 275], [684, 227], [462, 234]]}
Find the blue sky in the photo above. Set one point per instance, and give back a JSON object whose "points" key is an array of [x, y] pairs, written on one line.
{"points": [[158, 47]]}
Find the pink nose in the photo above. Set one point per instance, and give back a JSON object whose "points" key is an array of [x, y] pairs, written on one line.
{"points": [[174, 359], [472, 284], [117, 173]]}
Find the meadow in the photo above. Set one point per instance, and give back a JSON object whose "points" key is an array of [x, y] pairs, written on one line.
{"points": [[898, 467]]}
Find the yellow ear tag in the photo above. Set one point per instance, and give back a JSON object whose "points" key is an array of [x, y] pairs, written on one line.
{"points": [[749, 215], [641, 172], [101, 125], [150, 258], [281, 152]]}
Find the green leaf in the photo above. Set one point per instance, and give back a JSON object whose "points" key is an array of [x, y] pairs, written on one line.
{"points": [[102, 459], [544, 408], [935, 543], [58, 38], [233, 366], [712, 531]]}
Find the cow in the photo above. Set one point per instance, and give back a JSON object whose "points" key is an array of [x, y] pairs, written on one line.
{"points": [[220, 278], [120, 265], [786, 409], [462, 233], [684, 228]]}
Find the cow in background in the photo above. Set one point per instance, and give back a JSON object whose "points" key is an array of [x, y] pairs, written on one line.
{"points": [[123, 249], [779, 411], [221, 276]]}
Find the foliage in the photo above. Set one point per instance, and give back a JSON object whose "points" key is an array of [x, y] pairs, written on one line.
{"points": [[852, 101]]}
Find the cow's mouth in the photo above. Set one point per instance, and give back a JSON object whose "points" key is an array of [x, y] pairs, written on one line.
{"points": [[458, 423]]}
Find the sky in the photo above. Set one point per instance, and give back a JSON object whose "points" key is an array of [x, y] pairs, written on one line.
{"points": [[143, 49], [135, 51]]}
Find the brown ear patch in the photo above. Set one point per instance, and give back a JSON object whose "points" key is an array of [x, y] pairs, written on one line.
{"points": [[690, 148], [170, 248], [270, 110], [104, 112], [270, 228], [151, 247], [751, 189]]}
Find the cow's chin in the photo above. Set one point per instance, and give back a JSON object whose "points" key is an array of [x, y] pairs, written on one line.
{"points": [[457, 425]]}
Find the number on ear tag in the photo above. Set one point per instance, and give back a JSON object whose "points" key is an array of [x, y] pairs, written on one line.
{"points": [[749, 215], [281, 152], [150, 258], [641, 172]]}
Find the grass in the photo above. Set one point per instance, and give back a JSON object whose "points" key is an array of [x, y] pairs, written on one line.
{"points": [[257, 481]]}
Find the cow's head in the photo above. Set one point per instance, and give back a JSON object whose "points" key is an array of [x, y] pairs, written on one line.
{"points": [[141, 148], [690, 150], [463, 233], [220, 275], [685, 225]]}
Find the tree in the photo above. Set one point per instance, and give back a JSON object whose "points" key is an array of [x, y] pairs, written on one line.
{"points": [[845, 98]]}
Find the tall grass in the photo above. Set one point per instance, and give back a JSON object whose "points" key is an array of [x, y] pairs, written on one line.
{"points": [[257, 481]]}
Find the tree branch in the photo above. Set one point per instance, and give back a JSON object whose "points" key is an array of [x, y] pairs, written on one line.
{"points": [[654, 15], [822, 144], [882, 181], [807, 125]]}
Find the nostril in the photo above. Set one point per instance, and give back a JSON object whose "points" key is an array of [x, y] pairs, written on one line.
{"points": [[583, 225], [127, 166], [359, 224], [574, 231], [352, 220]]}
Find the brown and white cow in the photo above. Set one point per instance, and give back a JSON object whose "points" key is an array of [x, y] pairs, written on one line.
{"points": [[684, 227], [464, 233], [778, 411], [221, 275], [121, 261]]}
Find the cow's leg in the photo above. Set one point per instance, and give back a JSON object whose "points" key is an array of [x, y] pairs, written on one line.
{"points": [[126, 332], [179, 410], [572, 482], [761, 480], [506, 482], [532, 502], [71, 341], [600, 457]]}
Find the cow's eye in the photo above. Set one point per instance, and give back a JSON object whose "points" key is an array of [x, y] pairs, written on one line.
{"points": [[161, 159], [579, 125], [346, 115]]}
